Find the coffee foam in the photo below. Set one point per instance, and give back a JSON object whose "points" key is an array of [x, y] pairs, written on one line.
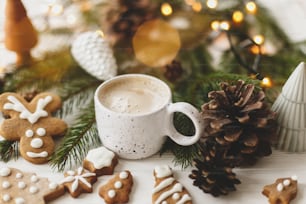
{"points": [[134, 95]]}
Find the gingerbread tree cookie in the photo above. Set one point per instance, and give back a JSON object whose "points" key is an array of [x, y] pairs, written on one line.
{"points": [[18, 187], [101, 161], [167, 190], [117, 189], [32, 124], [282, 191], [78, 182], [20, 35]]}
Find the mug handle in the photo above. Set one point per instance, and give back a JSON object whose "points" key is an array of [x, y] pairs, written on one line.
{"points": [[192, 113]]}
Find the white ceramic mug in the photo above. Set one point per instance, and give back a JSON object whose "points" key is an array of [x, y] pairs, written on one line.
{"points": [[134, 114]]}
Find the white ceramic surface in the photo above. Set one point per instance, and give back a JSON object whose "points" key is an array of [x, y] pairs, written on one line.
{"points": [[136, 136], [290, 107]]}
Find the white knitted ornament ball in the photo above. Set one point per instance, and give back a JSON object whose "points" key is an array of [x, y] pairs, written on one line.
{"points": [[94, 55]]}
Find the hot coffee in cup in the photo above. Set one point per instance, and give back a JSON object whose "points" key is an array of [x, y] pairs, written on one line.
{"points": [[134, 115]]}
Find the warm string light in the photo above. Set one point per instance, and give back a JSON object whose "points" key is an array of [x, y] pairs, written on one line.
{"points": [[258, 39], [220, 25], [237, 17], [212, 4], [166, 9], [215, 25], [266, 82], [224, 25], [56, 9], [189, 2], [251, 7], [197, 6]]}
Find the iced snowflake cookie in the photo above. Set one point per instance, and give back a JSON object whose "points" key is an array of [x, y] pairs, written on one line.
{"points": [[167, 190], [282, 191], [118, 188], [79, 181], [101, 161], [20, 188], [32, 124]]}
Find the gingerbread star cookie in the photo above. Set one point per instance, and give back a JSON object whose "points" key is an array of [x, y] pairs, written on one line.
{"points": [[282, 191], [101, 161], [118, 188], [167, 190], [19, 187], [79, 181]]}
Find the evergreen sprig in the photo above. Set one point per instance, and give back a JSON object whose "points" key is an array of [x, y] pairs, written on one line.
{"points": [[8, 150], [81, 137]]}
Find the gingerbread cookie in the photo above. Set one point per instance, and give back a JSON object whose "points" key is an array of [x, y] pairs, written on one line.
{"points": [[18, 187], [101, 161], [282, 191], [32, 124], [167, 190], [78, 182], [118, 188]]}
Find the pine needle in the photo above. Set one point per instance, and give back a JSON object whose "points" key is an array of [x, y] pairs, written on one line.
{"points": [[8, 150], [79, 139]]}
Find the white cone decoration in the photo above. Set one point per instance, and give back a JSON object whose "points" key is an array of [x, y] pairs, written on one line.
{"points": [[94, 55], [290, 107]]}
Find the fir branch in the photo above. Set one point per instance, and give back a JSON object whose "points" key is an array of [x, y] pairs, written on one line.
{"points": [[79, 139], [8, 150]]}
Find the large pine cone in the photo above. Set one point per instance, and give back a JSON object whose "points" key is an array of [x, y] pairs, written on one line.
{"points": [[238, 118], [214, 172]]}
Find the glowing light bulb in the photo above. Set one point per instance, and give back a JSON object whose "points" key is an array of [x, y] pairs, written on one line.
{"points": [[197, 6], [251, 7], [258, 39], [215, 25], [56, 9], [266, 82], [224, 25], [166, 9], [212, 4], [238, 17]]}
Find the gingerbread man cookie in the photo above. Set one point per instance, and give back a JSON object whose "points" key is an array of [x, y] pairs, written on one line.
{"points": [[101, 161], [117, 189], [167, 190], [282, 191], [78, 182], [32, 124], [17, 187]]}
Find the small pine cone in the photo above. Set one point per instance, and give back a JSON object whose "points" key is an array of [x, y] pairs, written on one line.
{"points": [[123, 17], [214, 173], [238, 117], [173, 71]]}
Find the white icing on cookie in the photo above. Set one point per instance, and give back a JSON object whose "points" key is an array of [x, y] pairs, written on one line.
{"points": [[184, 199], [100, 157], [164, 202], [17, 106], [286, 182], [294, 178], [33, 189], [19, 175], [176, 196], [176, 188], [111, 193], [41, 131], [6, 184], [118, 184], [164, 184], [22, 185], [79, 177], [123, 175], [52, 185], [37, 143], [29, 133], [279, 187], [5, 171], [34, 179], [37, 155], [19, 201], [162, 171], [6, 197]]}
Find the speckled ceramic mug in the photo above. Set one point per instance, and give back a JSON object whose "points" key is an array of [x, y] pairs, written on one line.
{"points": [[134, 114]]}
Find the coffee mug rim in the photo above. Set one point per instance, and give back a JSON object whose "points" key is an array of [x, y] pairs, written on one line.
{"points": [[119, 77]]}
